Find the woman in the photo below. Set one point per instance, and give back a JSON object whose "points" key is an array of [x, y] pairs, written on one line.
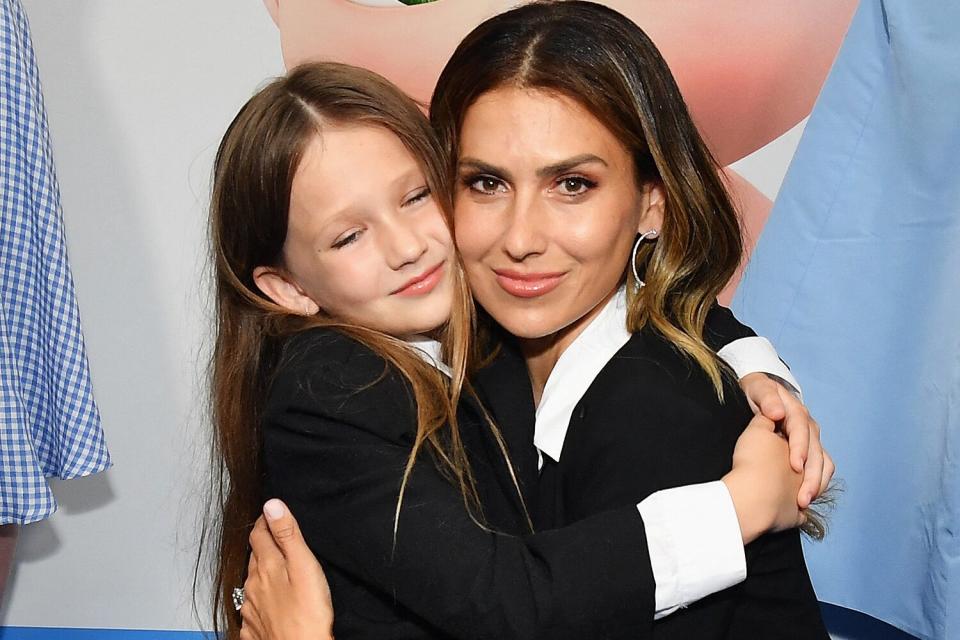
{"points": [[575, 157], [320, 289], [562, 157]]}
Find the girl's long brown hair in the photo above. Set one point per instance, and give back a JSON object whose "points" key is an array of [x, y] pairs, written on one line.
{"points": [[605, 62], [253, 173]]}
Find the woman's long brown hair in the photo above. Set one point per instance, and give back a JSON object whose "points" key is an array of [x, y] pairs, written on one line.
{"points": [[606, 63], [253, 174]]}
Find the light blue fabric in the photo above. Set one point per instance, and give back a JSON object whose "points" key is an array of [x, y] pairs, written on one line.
{"points": [[856, 279], [49, 424]]}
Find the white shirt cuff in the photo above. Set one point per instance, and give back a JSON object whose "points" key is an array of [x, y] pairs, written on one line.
{"points": [[757, 355], [695, 544]]}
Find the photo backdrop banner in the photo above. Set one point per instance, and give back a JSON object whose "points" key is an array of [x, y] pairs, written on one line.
{"points": [[138, 95]]}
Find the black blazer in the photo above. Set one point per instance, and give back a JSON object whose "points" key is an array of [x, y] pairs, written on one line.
{"points": [[651, 420], [337, 431]]}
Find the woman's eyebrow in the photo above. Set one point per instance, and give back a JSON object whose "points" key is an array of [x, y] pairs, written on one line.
{"points": [[549, 170], [566, 165], [483, 167]]}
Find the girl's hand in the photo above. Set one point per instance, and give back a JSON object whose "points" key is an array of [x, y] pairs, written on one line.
{"points": [[286, 595], [762, 484], [774, 402]]}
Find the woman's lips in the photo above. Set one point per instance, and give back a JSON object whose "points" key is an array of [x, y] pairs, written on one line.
{"points": [[528, 285], [422, 284]]}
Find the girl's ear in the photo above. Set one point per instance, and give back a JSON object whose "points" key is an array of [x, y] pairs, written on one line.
{"points": [[653, 205], [279, 287]]}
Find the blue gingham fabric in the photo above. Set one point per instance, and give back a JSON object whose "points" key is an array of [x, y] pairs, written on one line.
{"points": [[49, 423]]}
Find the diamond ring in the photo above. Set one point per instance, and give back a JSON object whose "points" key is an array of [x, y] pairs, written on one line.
{"points": [[237, 598]]}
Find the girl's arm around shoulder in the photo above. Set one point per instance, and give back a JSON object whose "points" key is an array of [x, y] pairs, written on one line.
{"points": [[773, 392], [722, 327]]}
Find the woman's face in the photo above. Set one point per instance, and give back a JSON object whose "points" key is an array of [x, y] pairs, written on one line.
{"points": [[547, 210], [366, 241]]}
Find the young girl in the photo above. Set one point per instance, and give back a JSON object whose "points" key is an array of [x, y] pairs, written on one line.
{"points": [[340, 383]]}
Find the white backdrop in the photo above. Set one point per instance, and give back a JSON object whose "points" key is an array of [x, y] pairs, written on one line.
{"points": [[138, 94]]}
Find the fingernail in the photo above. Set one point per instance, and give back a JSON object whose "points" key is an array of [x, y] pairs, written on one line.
{"points": [[273, 509]]}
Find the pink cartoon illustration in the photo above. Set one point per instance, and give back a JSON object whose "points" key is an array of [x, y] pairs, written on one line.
{"points": [[749, 71]]}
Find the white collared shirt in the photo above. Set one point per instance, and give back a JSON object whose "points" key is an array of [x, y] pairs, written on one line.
{"points": [[430, 350]]}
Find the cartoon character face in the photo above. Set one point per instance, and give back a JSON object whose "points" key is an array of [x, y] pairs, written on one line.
{"points": [[748, 71]]}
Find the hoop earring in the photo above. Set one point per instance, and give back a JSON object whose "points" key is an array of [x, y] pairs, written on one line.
{"points": [[652, 234]]}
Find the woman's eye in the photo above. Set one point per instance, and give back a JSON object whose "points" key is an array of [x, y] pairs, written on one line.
{"points": [[346, 239], [486, 185], [574, 185]]}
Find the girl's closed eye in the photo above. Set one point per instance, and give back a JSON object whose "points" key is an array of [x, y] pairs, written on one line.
{"points": [[347, 238], [417, 196]]}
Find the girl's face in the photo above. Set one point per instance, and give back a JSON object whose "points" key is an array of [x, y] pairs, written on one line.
{"points": [[366, 241], [547, 210]]}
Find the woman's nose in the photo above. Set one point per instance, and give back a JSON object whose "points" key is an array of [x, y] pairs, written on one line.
{"points": [[524, 234]]}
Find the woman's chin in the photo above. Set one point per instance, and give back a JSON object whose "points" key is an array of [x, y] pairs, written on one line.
{"points": [[526, 326]]}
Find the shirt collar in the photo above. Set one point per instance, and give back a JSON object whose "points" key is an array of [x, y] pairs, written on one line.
{"points": [[430, 350], [575, 371]]}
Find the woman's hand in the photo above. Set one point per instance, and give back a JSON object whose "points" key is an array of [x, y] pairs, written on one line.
{"points": [[772, 400], [286, 595], [762, 484]]}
